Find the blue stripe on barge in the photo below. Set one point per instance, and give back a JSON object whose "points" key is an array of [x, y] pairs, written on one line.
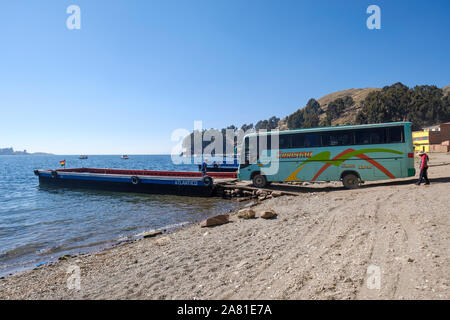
{"points": [[158, 182]]}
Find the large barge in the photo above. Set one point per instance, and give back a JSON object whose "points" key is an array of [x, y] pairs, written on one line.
{"points": [[139, 181]]}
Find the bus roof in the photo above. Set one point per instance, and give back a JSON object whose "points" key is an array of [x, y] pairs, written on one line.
{"points": [[319, 129]]}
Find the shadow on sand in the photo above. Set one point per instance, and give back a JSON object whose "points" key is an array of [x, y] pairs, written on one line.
{"points": [[317, 188]]}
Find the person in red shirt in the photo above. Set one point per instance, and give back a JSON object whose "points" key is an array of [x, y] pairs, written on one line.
{"points": [[423, 166]]}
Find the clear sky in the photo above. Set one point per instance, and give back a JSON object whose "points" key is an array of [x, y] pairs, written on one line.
{"points": [[137, 70]]}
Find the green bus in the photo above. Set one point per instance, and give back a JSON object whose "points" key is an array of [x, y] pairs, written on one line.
{"points": [[351, 154]]}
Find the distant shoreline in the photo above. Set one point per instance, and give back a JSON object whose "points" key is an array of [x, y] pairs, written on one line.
{"points": [[27, 154], [11, 152]]}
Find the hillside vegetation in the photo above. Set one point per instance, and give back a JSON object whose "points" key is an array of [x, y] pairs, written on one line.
{"points": [[422, 105]]}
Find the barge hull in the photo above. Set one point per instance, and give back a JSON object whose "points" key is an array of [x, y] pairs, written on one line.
{"points": [[153, 185], [131, 188]]}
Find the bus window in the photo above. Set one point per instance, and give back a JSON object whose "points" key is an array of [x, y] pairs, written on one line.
{"points": [[376, 137], [298, 141], [265, 143], [362, 137], [371, 136], [338, 138], [311, 140], [285, 141], [381, 135], [396, 135]]}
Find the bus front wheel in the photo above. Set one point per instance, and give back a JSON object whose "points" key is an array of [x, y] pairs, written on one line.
{"points": [[259, 181], [351, 181]]}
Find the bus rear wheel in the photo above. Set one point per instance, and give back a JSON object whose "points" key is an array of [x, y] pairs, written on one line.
{"points": [[259, 181], [351, 181]]}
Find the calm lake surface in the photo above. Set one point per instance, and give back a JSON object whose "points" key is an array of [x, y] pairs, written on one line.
{"points": [[37, 225]]}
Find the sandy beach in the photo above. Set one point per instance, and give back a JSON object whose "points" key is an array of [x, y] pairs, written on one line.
{"points": [[319, 246]]}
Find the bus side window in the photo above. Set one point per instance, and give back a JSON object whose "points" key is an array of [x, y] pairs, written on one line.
{"points": [[371, 136], [338, 138], [285, 141], [311, 140], [375, 137], [347, 138], [378, 136], [330, 140], [298, 141], [362, 137], [396, 135], [265, 142]]}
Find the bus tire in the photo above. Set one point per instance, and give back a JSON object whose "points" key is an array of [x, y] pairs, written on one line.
{"points": [[207, 181], [351, 181], [259, 181]]}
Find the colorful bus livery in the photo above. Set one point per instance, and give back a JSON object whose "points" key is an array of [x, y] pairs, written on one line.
{"points": [[351, 154]]}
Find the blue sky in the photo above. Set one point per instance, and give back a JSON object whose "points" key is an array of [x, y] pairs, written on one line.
{"points": [[137, 70]]}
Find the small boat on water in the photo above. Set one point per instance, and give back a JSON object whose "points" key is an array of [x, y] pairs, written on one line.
{"points": [[139, 181], [125, 157], [83, 157]]}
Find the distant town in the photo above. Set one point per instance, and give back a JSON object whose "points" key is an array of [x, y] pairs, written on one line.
{"points": [[11, 152]]}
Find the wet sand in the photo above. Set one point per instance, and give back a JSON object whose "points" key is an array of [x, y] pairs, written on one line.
{"points": [[319, 246]]}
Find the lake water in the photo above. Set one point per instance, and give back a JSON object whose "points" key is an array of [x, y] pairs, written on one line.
{"points": [[37, 224]]}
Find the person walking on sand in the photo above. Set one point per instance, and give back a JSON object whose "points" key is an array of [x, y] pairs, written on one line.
{"points": [[423, 166], [204, 166]]}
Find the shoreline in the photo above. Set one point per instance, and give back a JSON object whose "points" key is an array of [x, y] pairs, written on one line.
{"points": [[319, 246], [93, 248], [27, 266]]}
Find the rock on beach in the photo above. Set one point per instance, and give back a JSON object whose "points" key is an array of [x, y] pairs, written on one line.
{"points": [[246, 214], [216, 220], [266, 214]]}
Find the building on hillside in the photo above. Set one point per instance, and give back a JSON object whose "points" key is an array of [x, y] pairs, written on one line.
{"points": [[436, 127], [433, 139]]}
